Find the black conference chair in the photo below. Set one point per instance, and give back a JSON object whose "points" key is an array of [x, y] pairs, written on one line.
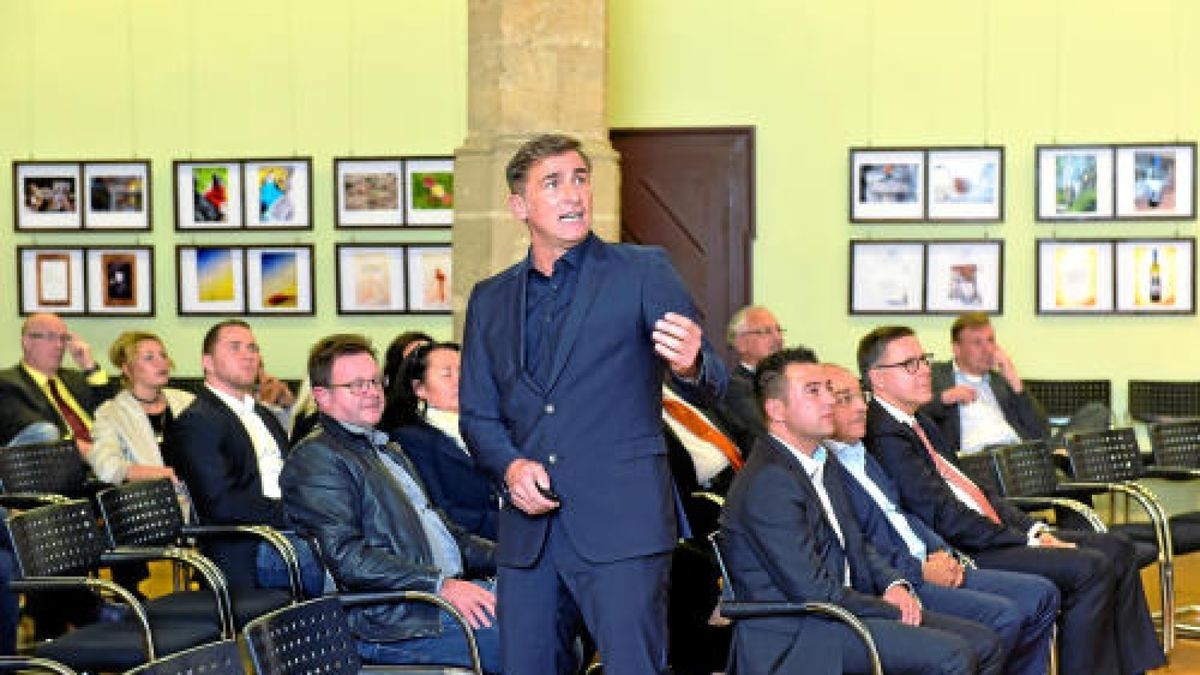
{"points": [[1163, 401], [315, 637], [1062, 398], [1028, 479], [736, 610], [59, 547], [216, 658], [42, 473], [148, 513], [1175, 447]]}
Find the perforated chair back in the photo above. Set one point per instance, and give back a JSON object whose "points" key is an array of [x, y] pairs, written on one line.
{"points": [[216, 658], [1176, 444], [46, 468], [1158, 400], [980, 467], [309, 637], [1025, 470], [1061, 398], [1109, 456], [142, 513], [56, 540]]}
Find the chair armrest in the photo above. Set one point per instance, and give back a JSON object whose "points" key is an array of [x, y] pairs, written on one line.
{"points": [[14, 663], [1149, 503], [21, 501], [391, 597], [756, 610], [1042, 503], [208, 569], [1171, 472], [29, 584], [265, 532]]}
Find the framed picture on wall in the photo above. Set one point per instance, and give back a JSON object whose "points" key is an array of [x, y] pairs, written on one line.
{"points": [[120, 281], [208, 195], [278, 193], [50, 280], [886, 277], [1074, 182], [429, 279], [210, 279], [887, 185], [46, 196], [279, 279], [371, 279], [369, 192], [1156, 276], [1156, 182], [1074, 276], [964, 276], [429, 191], [116, 195], [966, 184]]}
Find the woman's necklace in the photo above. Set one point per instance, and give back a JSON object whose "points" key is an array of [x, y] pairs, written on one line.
{"points": [[147, 401]]}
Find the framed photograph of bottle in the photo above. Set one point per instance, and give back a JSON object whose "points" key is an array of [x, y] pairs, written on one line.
{"points": [[964, 275], [1156, 276], [1074, 276], [1156, 182], [887, 277]]}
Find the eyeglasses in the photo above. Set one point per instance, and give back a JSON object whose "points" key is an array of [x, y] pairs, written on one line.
{"points": [[910, 365], [844, 398], [359, 387], [51, 337], [769, 330]]}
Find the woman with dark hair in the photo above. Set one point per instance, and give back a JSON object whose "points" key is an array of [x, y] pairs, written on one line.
{"points": [[421, 415]]}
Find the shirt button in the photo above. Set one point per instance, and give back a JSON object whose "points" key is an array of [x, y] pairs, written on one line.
{"points": [[549, 409], [552, 458]]}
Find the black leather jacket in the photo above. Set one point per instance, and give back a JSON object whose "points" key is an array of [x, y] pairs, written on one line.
{"points": [[337, 491]]}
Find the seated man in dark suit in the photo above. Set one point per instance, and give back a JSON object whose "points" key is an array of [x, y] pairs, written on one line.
{"points": [[1106, 625], [229, 449], [357, 494], [979, 399], [1021, 608], [39, 390], [753, 334], [790, 535]]}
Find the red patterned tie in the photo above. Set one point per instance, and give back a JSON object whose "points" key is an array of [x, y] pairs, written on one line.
{"points": [[956, 478], [705, 431], [79, 428]]}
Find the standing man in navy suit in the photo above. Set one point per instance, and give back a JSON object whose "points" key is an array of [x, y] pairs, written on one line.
{"points": [[564, 357]]}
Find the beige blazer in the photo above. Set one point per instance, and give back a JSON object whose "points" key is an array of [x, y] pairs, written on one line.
{"points": [[122, 435]]}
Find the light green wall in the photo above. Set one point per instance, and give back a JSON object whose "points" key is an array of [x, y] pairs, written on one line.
{"points": [[172, 79], [816, 77]]}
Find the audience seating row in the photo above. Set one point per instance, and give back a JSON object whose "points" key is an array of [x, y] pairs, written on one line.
{"points": [[1149, 401]]}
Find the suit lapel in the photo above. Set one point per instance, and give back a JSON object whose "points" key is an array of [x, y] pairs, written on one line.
{"points": [[591, 274], [517, 322], [829, 550]]}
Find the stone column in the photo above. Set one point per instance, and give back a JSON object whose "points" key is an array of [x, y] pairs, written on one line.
{"points": [[533, 66]]}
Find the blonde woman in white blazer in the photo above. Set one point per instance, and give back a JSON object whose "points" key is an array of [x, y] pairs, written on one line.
{"points": [[128, 428]]}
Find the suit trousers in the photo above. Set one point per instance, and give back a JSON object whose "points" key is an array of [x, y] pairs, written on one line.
{"points": [[623, 603]]}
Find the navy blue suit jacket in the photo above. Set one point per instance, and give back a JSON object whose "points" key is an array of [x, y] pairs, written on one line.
{"points": [[596, 423], [925, 494], [452, 480]]}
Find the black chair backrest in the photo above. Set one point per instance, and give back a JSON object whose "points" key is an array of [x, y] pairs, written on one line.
{"points": [[1176, 444], [142, 513], [980, 467], [56, 540], [1025, 470], [1107, 456], [215, 658], [1158, 400], [1061, 398], [48, 468], [309, 637]]}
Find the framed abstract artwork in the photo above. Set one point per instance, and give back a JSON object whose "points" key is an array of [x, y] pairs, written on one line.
{"points": [[120, 280], [208, 195], [886, 277], [1156, 182], [429, 191], [1074, 276], [369, 192], [46, 196], [1074, 182], [964, 276], [371, 279], [51, 279], [278, 193], [116, 195], [965, 184], [210, 280], [1156, 276], [279, 280], [887, 185], [429, 279]]}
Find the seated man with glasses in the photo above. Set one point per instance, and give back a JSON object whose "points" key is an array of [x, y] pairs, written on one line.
{"points": [[1106, 626], [357, 494], [753, 334], [42, 401]]}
